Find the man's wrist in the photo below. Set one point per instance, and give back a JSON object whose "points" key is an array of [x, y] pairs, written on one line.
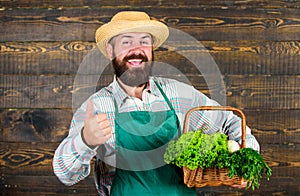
{"points": [[84, 141]]}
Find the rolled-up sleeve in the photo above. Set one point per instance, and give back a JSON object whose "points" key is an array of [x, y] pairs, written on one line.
{"points": [[72, 158]]}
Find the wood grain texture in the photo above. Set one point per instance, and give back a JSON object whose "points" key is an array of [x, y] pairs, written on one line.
{"points": [[231, 57], [48, 185], [44, 185], [38, 125], [41, 58], [36, 157], [21, 161], [156, 3], [206, 23], [242, 91], [52, 125], [48, 57], [264, 92]]}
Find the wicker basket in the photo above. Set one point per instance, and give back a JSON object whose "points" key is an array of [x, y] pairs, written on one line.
{"points": [[212, 176]]}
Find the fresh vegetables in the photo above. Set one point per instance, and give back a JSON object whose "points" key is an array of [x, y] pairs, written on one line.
{"points": [[195, 149], [233, 146], [249, 164]]}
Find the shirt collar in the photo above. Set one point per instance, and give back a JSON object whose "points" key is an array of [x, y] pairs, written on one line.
{"points": [[152, 87], [120, 95]]}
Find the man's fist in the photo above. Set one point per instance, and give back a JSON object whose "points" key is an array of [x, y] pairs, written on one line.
{"points": [[97, 129]]}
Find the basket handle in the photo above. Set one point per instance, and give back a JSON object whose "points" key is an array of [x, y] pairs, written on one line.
{"points": [[228, 108]]}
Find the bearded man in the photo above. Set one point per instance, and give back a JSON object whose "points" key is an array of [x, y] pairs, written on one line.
{"points": [[128, 124]]}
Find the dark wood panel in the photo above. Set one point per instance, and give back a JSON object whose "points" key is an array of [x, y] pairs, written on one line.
{"points": [[42, 57], [274, 126], [272, 120], [248, 57], [277, 92], [28, 158], [254, 44], [202, 23], [243, 91], [17, 180], [286, 187], [36, 91], [231, 57], [140, 3], [32, 159], [52, 125], [276, 136], [23, 161], [47, 125], [36, 158], [46, 91], [48, 185], [44, 185]]}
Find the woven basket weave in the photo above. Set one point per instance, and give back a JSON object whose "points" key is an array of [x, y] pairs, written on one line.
{"points": [[212, 176]]}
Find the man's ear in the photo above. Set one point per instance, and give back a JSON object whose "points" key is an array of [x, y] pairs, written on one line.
{"points": [[109, 50]]}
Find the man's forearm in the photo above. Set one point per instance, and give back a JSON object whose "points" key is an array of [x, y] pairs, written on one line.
{"points": [[71, 162]]}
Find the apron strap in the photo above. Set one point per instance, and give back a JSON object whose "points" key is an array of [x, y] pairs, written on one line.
{"points": [[161, 91], [164, 95], [116, 105]]}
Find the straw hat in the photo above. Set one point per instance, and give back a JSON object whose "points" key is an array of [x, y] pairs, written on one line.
{"points": [[131, 21]]}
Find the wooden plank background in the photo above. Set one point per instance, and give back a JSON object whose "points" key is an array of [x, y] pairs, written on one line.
{"points": [[255, 43]]}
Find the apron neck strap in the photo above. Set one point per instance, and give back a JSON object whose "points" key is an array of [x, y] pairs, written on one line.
{"points": [[164, 95], [161, 91]]}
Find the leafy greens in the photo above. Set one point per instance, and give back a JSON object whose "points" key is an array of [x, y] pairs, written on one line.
{"points": [[195, 149]]}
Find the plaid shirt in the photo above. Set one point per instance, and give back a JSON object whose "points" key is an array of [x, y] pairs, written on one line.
{"points": [[72, 158]]}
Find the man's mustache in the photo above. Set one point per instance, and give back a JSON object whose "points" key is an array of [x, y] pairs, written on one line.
{"points": [[136, 56]]}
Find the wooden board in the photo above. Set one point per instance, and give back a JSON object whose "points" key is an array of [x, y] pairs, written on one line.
{"points": [[242, 91], [263, 4], [23, 161], [48, 185], [203, 23], [52, 125], [48, 57], [231, 57], [22, 158], [44, 185], [38, 125]]}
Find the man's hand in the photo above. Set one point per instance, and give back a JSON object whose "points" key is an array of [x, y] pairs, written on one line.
{"points": [[97, 129], [240, 186]]}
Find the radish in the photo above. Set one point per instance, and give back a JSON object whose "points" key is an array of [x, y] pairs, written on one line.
{"points": [[233, 146]]}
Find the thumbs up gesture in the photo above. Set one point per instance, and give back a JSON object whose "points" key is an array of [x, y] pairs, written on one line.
{"points": [[97, 129]]}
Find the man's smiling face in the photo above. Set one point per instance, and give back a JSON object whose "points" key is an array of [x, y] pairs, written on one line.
{"points": [[132, 55]]}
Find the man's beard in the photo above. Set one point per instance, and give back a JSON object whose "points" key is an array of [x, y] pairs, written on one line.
{"points": [[135, 76]]}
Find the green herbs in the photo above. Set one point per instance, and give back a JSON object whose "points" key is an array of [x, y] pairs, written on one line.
{"points": [[195, 149], [184, 151], [249, 164]]}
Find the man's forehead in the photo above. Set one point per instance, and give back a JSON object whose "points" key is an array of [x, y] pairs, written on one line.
{"points": [[134, 35]]}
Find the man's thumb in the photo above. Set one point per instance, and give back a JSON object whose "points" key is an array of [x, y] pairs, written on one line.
{"points": [[89, 109]]}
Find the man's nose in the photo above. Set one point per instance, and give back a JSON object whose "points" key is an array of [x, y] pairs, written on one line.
{"points": [[136, 49], [136, 45]]}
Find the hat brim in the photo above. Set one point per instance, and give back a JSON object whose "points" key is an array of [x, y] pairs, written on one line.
{"points": [[158, 30]]}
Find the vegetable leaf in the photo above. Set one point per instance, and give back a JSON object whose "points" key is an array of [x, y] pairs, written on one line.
{"points": [[195, 149]]}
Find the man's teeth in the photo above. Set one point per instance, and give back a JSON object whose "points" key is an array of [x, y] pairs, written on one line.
{"points": [[135, 60]]}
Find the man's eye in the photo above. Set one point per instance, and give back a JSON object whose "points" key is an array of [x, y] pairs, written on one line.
{"points": [[145, 42], [125, 42]]}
